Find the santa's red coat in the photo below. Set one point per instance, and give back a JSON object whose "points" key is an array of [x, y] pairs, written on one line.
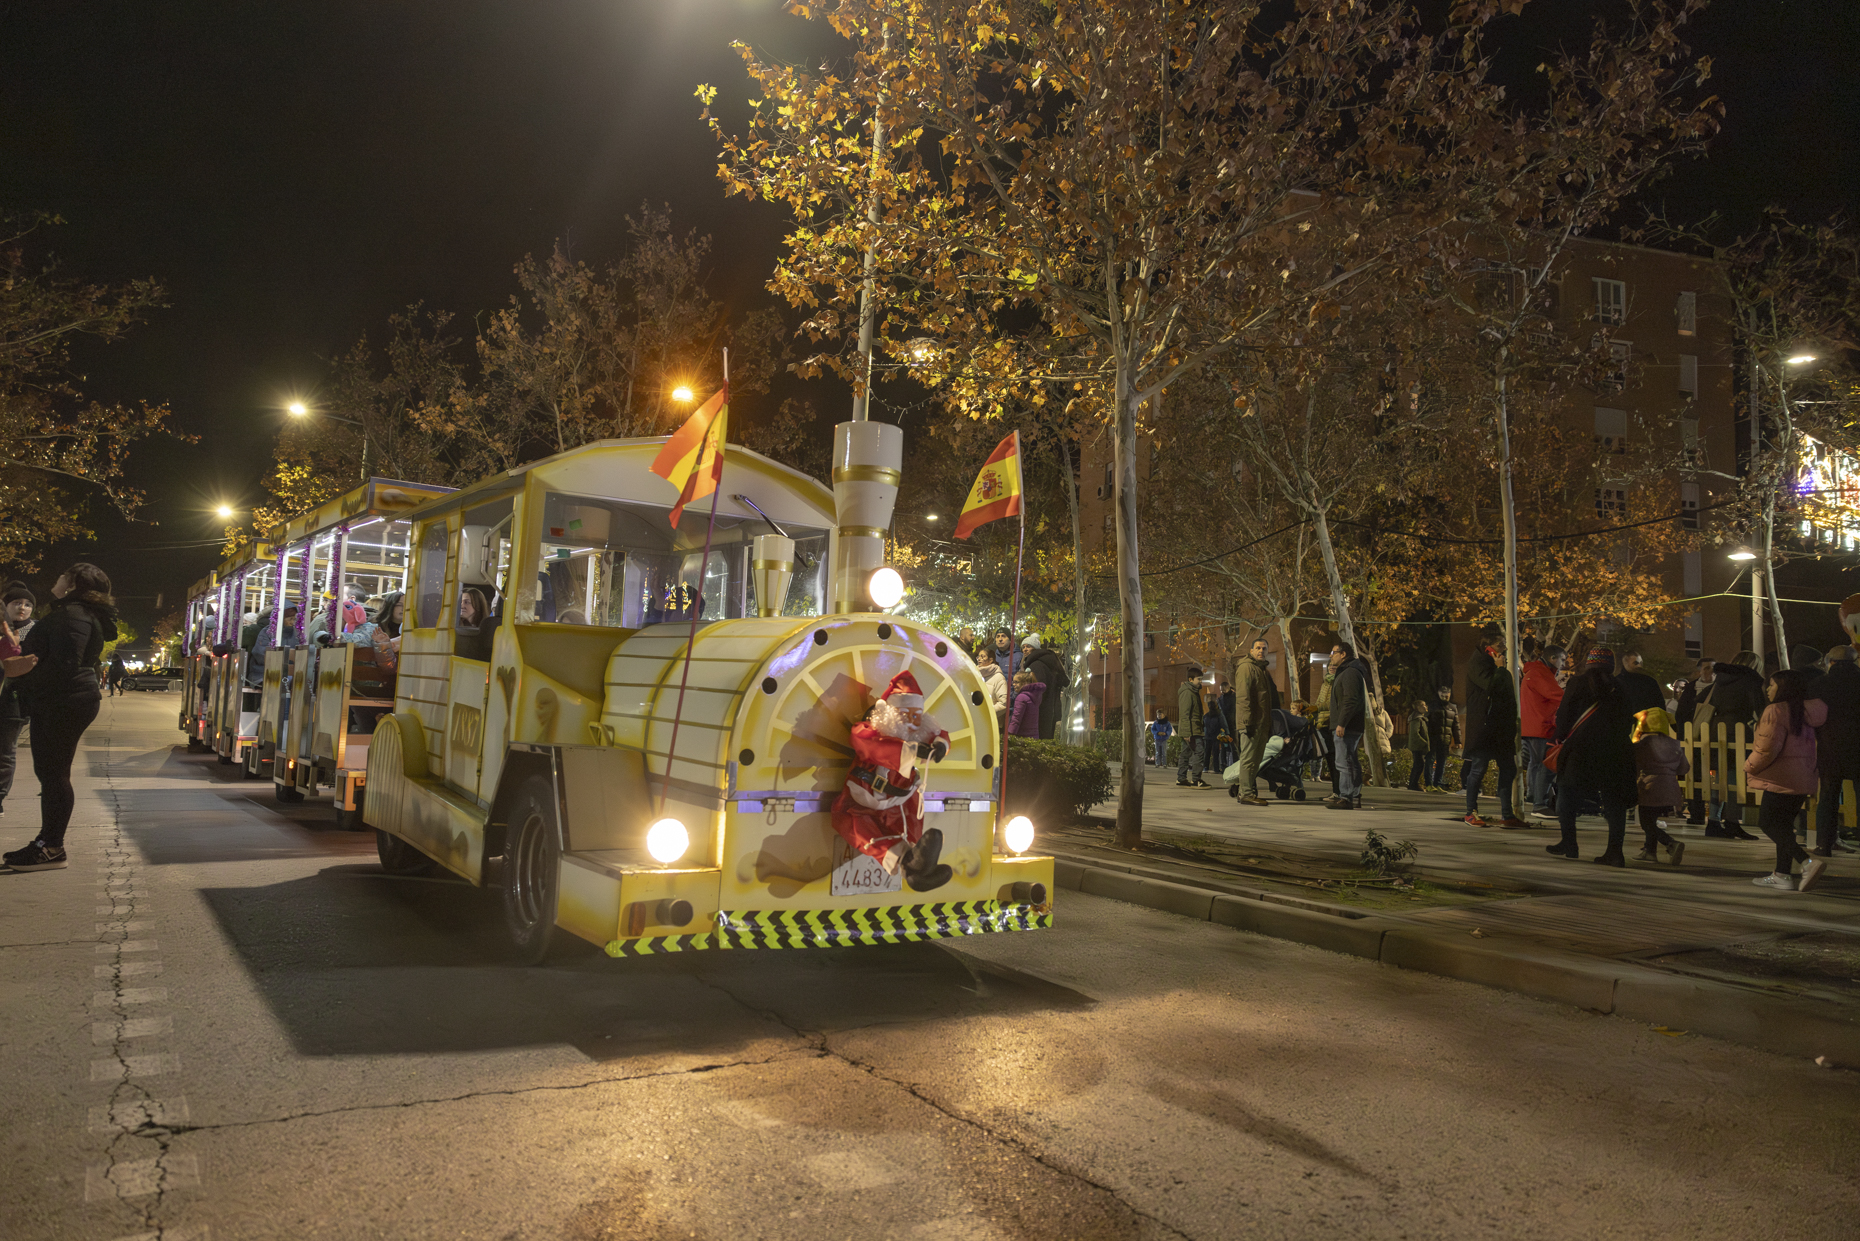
{"points": [[881, 807]]}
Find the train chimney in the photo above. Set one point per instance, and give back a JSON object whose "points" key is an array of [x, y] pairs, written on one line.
{"points": [[771, 563], [868, 460]]}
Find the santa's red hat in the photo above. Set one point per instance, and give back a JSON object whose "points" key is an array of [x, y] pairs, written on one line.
{"points": [[903, 692]]}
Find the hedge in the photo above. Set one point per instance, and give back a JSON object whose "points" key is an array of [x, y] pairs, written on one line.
{"points": [[1052, 782]]}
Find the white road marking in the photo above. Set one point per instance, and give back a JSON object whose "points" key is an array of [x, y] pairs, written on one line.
{"points": [[123, 928], [126, 969], [201, 1233], [133, 1114], [138, 1178], [115, 1070], [135, 907], [129, 995], [131, 945], [851, 1170], [955, 1228], [103, 1033]]}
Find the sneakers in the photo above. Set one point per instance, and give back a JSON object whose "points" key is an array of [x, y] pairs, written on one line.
{"points": [[36, 856], [1647, 854], [1610, 858], [1782, 883], [1546, 816], [1512, 823], [1811, 874], [1252, 799], [1339, 803], [1201, 784], [1674, 852], [1473, 820]]}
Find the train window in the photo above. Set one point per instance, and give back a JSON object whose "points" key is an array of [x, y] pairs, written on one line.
{"points": [[432, 595], [619, 564], [483, 567]]}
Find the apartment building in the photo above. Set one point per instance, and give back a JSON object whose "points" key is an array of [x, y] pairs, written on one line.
{"points": [[1677, 391]]}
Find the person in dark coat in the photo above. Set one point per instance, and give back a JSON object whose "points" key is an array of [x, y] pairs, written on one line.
{"points": [[1642, 691], [60, 693], [1049, 670], [1736, 696], [1597, 758], [17, 603], [1349, 716], [1491, 733], [1837, 745]]}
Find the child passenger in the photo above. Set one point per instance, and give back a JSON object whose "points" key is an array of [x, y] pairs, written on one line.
{"points": [[1661, 762]]}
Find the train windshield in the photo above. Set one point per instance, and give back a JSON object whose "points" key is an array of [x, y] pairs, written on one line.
{"points": [[620, 564]]}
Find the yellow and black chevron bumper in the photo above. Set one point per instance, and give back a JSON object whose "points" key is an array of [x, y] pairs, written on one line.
{"points": [[843, 928]]}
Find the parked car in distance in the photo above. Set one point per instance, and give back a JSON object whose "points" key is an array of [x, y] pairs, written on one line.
{"points": [[154, 678]]}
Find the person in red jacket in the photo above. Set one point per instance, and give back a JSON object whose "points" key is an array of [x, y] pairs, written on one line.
{"points": [[1538, 698], [881, 810]]}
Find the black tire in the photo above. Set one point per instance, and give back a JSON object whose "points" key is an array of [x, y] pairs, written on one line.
{"points": [[351, 820], [195, 746], [225, 760], [1298, 794], [287, 794], [400, 858], [532, 858]]}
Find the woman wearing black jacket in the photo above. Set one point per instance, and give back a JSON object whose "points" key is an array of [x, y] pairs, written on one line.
{"points": [[1597, 755], [59, 692]]}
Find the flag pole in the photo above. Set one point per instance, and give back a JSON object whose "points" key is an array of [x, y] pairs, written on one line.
{"points": [[671, 751], [1013, 629]]}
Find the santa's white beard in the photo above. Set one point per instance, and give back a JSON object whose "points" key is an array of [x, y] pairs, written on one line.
{"points": [[890, 722]]}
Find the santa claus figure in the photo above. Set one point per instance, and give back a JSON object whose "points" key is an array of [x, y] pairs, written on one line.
{"points": [[881, 811]]}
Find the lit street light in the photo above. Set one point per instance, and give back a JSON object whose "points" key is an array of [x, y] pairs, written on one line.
{"points": [[1742, 553], [682, 394], [297, 409], [1801, 359], [224, 512]]}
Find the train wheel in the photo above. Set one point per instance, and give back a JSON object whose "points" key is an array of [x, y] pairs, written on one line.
{"points": [[400, 858], [532, 856], [287, 794]]}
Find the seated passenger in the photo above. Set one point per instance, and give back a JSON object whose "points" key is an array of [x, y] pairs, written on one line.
{"points": [[382, 633], [475, 629]]}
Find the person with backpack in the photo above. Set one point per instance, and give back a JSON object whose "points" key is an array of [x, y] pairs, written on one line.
{"points": [[1661, 762]]}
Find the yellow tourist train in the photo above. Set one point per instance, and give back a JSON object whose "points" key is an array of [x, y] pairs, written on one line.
{"points": [[561, 728]]}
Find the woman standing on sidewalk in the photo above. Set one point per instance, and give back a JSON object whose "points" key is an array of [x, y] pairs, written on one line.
{"points": [[59, 691], [1597, 757], [1782, 764]]}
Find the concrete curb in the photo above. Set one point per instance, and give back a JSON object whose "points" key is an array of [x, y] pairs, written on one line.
{"points": [[1781, 1024]]}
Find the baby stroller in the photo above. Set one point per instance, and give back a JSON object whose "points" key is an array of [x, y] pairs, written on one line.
{"points": [[1294, 743]]}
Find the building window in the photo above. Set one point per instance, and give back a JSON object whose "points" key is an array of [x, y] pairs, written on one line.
{"points": [[1689, 441], [1610, 301], [1108, 488], [1687, 312], [1611, 429], [1689, 374], [1688, 506], [1611, 500]]}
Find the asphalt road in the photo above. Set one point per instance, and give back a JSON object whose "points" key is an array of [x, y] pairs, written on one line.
{"points": [[224, 1022]]}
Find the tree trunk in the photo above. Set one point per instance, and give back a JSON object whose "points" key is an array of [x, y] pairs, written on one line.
{"points": [[1294, 673], [1509, 511], [1080, 683], [1340, 604], [1130, 613]]}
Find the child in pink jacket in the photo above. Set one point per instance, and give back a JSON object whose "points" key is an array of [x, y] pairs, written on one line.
{"points": [[1782, 764], [1661, 762]]}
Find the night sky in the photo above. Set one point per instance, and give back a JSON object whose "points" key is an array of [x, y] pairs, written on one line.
{"points": [[294, 172]]}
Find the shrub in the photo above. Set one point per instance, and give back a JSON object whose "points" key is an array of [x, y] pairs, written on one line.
{"points": [[1052, 782]]}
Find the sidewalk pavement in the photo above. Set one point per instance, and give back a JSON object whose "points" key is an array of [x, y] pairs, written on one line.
{"points": [[1692, 948]]}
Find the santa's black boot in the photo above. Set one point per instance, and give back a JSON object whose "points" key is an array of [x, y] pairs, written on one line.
{"points": [[922, 871]]}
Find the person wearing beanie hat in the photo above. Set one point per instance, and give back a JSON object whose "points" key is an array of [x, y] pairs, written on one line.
{"points": [[18, 592], [1837, 746], [1050, 671], [1806, 657], [1662, 763], [1599, 657]]}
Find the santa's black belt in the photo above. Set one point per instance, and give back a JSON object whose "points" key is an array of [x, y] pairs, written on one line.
{"points": [[882, 781]]}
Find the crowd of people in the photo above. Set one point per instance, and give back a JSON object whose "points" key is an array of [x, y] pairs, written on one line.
{"points": [[1601, 740], [1024, 682]]}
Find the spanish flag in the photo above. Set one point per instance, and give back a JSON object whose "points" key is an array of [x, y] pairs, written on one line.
{"points": [[692, 460], [997, 488]]}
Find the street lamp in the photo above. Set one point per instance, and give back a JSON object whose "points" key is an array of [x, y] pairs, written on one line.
{"points": [[297, 409], [224, 512], [682, 394], [1801, 359], [1742, 553]]}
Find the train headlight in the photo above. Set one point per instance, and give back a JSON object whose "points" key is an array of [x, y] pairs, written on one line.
{"points": [[886, 587], [667, 840], [1018, 833]]}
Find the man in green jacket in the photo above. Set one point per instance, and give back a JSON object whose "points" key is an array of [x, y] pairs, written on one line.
{"points": [[1254, 699], [1194, 752]]}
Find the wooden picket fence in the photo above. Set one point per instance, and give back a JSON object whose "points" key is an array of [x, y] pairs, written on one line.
{"points": [[1717, 773]]}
